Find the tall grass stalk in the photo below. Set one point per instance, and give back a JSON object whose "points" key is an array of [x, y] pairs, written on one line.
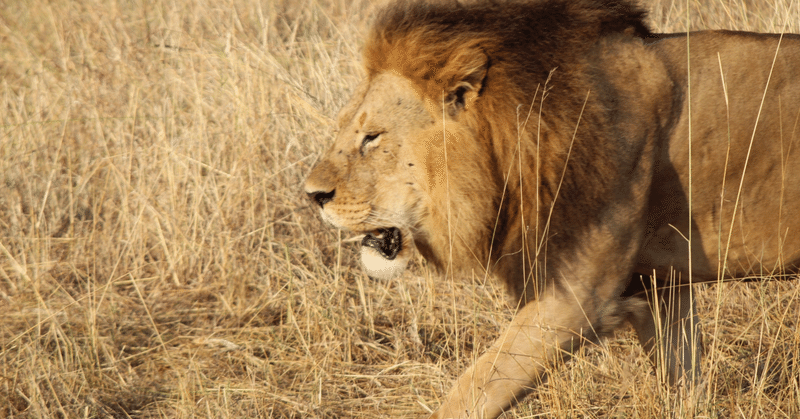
{"points": [[158, 259]]}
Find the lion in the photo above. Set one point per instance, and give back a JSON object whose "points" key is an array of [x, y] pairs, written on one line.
{"points": [[595, 168]]}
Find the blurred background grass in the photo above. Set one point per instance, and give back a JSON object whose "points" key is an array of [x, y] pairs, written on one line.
{"points": [[159, 259]]}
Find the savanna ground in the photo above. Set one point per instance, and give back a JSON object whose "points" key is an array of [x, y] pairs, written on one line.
{"points": [[158, 258]]}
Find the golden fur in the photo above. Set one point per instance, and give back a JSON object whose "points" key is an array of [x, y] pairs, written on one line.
{"points": [[547, 144]]}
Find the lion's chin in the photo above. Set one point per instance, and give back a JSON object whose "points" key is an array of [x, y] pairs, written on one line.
{"points": [[384, 253]]}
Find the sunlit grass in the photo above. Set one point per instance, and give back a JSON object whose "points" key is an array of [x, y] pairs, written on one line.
{"points": [[158, 259]]}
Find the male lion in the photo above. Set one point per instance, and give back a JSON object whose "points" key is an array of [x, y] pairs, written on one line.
{"points": [[562, 148]]}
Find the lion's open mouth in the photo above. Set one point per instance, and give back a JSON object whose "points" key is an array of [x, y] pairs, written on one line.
{"points": [[383, 253], [387, 241]]}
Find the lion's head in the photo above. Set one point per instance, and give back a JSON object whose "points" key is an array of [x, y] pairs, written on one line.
{"points": [[387, 173], [433, 146]]}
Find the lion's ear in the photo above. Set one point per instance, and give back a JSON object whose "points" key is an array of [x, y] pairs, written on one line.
{"points": [[468, 75]]}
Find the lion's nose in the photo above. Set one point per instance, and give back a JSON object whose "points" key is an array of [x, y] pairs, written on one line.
{"points": [[321, 197]]}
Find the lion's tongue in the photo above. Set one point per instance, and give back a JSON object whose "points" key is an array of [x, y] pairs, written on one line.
{"points": [[387, 241]]}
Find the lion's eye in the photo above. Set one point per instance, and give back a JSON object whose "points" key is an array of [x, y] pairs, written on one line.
{"points": [[368, 139]]}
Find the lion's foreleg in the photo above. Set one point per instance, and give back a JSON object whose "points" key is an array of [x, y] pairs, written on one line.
{"points": [[542, 332], [671, 333]]}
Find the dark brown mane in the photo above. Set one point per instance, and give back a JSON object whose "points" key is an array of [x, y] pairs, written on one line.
{"points": [[417, 38], [438, 45]]}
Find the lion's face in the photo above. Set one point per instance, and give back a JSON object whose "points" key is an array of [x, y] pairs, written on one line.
{"points": [[377, 177]]}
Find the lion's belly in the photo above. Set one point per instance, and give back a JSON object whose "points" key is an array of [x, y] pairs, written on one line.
{"points": [[738, 228], [751, 253]]}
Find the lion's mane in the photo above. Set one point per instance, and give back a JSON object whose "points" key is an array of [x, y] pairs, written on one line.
{"points": [[532, 98]]}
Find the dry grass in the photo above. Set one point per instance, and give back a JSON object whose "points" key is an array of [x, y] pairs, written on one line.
{"points": [[157, 258]]}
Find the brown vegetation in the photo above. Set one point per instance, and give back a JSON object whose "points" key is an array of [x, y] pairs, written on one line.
{"points": [[157, 258]]}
